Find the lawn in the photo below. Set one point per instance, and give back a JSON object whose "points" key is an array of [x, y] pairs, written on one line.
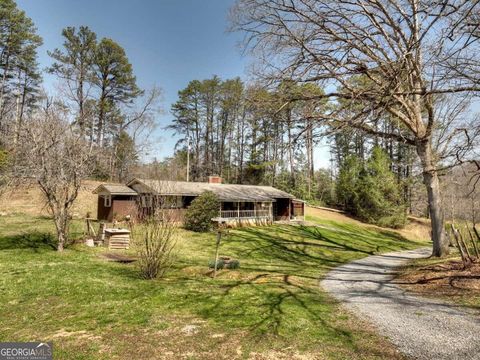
{"points": [[270, 308]]}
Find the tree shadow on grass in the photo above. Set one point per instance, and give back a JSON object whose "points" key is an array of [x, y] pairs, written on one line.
{"points": [[278, 292], [276, 311], [356, 240], [286, 244], [275, 293], [303, 245], [35, 240]]}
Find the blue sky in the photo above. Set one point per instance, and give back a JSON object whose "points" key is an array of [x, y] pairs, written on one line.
{"points": [[168, 42]]}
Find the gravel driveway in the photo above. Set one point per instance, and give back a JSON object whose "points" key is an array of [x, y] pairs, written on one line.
{"points": [[421, 328]]}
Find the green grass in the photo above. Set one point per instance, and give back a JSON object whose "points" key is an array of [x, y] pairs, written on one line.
{"points": [[94, 309]]}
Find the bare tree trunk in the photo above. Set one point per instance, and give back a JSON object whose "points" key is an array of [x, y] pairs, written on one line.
{"points": [[290, 147], [430, 179], [61, 225], [6, 69]]}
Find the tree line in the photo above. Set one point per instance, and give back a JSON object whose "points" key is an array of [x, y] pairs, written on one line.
{"points": [[96, 83], [92, 125], [237, 131]]}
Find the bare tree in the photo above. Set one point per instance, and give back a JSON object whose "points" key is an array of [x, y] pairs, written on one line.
{"points": [[58, 159], [408, 53]]}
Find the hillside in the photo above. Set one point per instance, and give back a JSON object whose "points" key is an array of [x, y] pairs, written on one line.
{"points": [[416, 229], [28, 200]]}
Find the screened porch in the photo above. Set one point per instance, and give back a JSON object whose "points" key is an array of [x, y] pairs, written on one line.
{"points": [[246, 210]]}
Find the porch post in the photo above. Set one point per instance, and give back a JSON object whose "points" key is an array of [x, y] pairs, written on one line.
{"points": [[238, 210]]}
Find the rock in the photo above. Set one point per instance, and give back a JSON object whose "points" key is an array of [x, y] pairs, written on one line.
{"points": [[190, 330]]}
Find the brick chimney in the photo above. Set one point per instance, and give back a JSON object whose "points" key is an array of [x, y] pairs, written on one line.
{"points": [[214, 180]]}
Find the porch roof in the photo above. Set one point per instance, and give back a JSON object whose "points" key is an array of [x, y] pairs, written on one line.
{"points": [[115, 189], [225, 192]]}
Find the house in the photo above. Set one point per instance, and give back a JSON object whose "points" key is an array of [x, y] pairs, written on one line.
{"points": [[239, 203]]}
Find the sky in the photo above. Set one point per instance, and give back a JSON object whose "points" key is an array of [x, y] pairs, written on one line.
{"points": [[168, 42]]}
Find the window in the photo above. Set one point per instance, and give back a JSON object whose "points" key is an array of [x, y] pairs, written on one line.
{"points": [[107, 201]]}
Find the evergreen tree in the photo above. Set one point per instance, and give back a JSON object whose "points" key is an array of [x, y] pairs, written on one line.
{"points": [[19, 77], [370, 191], [115, 81], [75, 65], [379, 193], [347, 183]]}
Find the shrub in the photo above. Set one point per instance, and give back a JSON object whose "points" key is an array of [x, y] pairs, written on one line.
{"points": [[3, 158], [220, 264], [200, 213], [233, 264], [154, 241]]}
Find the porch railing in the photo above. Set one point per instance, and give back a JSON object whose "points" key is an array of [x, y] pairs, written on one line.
{"points": [[242, 214]]}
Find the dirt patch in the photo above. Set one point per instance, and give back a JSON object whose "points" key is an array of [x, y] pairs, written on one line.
{"points": [[117, 258], [62, 333], [447, 279]]}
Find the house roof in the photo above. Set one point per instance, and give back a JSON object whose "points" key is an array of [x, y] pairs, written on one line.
{"points": [[225, 192], [115, 189]]}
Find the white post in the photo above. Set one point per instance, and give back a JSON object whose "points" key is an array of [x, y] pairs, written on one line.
{"points": [[238, 210]]}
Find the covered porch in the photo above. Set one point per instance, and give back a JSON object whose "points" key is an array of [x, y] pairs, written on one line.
{"points": [[245, 210]]}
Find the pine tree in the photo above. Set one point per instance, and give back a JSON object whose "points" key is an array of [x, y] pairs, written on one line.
{"points": [[74, 64], [19, 77], [370, 190], [115, 81]]}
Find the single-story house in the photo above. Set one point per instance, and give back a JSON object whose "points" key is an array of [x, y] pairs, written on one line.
{"points": [[238, 203]]}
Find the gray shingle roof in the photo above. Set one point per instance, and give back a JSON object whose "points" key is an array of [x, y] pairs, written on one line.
{"points": [[115, 189], [225, 192]]}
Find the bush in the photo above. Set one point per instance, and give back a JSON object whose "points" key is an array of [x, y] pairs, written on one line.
{"points": [[154, 241], [200, 213], [220, 264], [233, 264]]}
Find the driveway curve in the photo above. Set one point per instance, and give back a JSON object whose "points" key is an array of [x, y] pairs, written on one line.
{"points": [[421, 328]]}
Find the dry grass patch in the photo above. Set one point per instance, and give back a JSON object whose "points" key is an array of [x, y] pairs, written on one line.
{"points": [[28, 199], [417, 229]]}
